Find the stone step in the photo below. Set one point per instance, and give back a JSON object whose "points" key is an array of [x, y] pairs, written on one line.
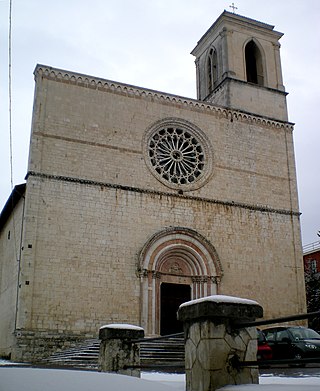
{"points": [[86, 355], [164, 351]]}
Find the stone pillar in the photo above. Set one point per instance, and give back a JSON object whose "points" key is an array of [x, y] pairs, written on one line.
{"points": [[117, 351], [212, 342]]}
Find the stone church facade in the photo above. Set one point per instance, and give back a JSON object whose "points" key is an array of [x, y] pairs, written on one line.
{"points": [[136, 200]]}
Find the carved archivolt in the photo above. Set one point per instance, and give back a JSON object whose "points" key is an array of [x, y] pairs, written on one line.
{"points": [[182, 252], [175, 255]]}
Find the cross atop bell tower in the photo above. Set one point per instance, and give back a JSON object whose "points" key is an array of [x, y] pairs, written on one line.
{"points": [[238, 66], [233, 7]]}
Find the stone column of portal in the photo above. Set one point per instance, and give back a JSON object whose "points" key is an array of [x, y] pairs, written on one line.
{"points": [[212, 343], [118, 353]]}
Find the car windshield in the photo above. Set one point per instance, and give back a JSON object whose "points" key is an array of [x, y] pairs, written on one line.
{"points": [[304, 333]]}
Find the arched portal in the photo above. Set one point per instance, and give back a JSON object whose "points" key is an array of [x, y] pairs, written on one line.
{"points": [[182, 258]]}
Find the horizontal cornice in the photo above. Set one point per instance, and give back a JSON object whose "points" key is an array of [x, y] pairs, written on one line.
{"points": [[86, 81], [233, 204]]}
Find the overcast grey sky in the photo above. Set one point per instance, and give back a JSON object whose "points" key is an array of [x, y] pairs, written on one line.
{"points": [[147, 43]]}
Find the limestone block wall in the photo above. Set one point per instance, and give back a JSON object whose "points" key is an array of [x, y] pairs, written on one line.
{"points": [[10, 242], [88, 239], [258, 100], [92, 204], [97, 134]]}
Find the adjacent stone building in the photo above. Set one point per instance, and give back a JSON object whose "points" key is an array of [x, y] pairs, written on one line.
{"points": [[137, 200], [311, 258], [311, 261]]}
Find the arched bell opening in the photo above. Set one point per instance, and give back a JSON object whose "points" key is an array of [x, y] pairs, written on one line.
{"points": [[212, 70], [254, 64]]}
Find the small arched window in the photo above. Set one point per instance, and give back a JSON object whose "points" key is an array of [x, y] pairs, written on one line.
{"points": [[212, 74], [254, 66]]}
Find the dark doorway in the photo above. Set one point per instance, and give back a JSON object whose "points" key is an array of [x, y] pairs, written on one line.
{"points": [[172, 295]]}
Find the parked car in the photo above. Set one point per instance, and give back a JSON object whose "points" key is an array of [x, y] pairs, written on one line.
{"points": [[264, 351], [293, 342]]}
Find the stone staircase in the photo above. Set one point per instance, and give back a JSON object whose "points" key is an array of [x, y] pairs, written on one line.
{"points": [[166, 354], [163, 353], [85, 355]]}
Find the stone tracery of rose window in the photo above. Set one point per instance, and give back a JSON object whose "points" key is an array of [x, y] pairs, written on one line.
{"points": [[177, 155]]}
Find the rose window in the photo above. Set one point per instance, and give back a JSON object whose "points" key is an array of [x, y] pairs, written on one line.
{"points": [[176, 155]]}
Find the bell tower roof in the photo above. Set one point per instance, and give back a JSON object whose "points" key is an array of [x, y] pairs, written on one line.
{"points": [[234, 19], [238, 66]]}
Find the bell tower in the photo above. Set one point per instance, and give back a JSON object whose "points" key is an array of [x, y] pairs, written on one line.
{"points": [[238, 66]]}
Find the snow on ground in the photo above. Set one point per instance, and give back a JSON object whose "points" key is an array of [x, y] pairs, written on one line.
{"points": [[14, 378], [35, 379], [279, 384]]}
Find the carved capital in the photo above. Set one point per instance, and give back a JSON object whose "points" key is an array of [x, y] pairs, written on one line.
{"points": [[156, 274]]}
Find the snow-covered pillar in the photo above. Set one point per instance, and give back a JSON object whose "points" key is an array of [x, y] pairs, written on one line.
{"points": [[117, 351], [212, 342]]}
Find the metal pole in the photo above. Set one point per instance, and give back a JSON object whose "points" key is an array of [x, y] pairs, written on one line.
{"points": [[277, 320]]}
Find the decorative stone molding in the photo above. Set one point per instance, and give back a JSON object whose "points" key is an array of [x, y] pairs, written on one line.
{"points": [[184, 235], [155, 274], [86, 81], [261, 208], [196, 264]]}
